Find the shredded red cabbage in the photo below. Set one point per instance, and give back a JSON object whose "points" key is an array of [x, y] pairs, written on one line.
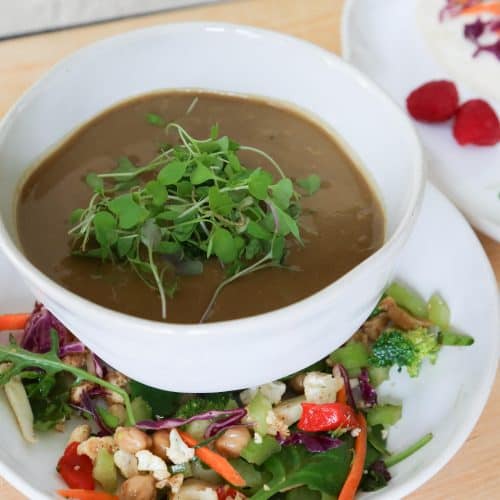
{"points": [[339, 370], [172, 423], [221, 425], [87, 406], [494, 48], [380, 469], [368, 393], [315, 443], [474, 31], [36, 337], [71, 348]]}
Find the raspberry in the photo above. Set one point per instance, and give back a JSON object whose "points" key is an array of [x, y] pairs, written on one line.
{"points": [[435, 101], [476, 123]]}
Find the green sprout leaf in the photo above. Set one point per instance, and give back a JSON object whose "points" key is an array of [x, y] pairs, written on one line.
{"points": [[224, 245], [95, 183], [129, 212], [310, 184], [105, 229], [156, 120], [172, 173]]}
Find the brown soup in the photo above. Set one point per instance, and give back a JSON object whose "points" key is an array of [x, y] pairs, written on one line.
{"points": [[342, 224]]}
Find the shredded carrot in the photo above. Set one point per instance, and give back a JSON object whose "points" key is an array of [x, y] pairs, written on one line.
{"points": [[491, 7], [351, 484], [77, 494], [342, 395], [215, 461], [13, 321]]}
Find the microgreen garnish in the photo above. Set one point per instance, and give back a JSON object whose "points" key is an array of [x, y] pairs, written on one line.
{"points": [[196, 201]]}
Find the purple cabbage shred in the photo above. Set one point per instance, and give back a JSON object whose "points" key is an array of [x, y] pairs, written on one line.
{"points": [[171, 423], [368, 393], [339, 369], [36, 337], [315, 443], [380, 469], [474, 31], [88, 407]]}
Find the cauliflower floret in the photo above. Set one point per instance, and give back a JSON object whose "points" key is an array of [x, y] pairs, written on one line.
{"points": [[91, 446], [194, 489], [76, 393], [290, 411], [147, 462], [126, 463], [178, 452], [276, 424], [173, 482], [79, 434], [321, 387], [273, 391], [116, 378]]}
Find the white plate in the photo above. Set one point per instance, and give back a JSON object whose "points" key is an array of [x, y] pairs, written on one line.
{"points": [[442, 255], [384, 41]]}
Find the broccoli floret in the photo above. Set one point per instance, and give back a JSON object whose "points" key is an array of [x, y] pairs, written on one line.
{"points": [[395, 347], [425, 344], [202, 404], [392, 348]]}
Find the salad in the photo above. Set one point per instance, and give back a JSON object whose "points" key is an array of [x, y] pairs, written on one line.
{"points": [[320, 433]]}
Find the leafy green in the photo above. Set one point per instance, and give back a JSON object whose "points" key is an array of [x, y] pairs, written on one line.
{"points": [[24, 362], [310, 184], [49, 399], [156, 120], [162, 403], [294, 466], [207, 402]]}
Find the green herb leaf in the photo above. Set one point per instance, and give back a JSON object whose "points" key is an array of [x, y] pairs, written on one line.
{"points": [[294, 466], [168, 247], [150, 234], [172, 173], [95, 183], [105, 229], [129, 212], [124, 245], [258, 183], [201, 174], [220, 203], [224, 245], [310, 184], [157, 191], [156, 120], [163, 403], [258, 231], [281, 193], [76, 216]]}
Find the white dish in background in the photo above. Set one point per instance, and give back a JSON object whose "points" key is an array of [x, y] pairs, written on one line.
{"points": [[384, 40], [210, 356], [456, 388]]}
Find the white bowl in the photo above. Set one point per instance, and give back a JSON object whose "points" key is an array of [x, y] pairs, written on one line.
{"points": [[239, 353]]}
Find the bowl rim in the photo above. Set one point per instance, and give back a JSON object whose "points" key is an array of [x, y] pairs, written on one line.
{"points": [[62, 295]]}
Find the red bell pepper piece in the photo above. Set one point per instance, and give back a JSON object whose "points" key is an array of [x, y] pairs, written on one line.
{"points": [[327, 417], [227, 493], [76, 470]]}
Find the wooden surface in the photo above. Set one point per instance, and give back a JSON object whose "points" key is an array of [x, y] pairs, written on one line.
{"points": [[473, 472]]}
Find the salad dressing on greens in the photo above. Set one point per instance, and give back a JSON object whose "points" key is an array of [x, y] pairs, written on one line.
{"points": [[306, 185]]}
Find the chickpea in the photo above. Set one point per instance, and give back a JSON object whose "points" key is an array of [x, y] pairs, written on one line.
{"points": [[161, 441], [119, 411], [232, 442], [297, 383], [138, 488], [131, 440]]}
